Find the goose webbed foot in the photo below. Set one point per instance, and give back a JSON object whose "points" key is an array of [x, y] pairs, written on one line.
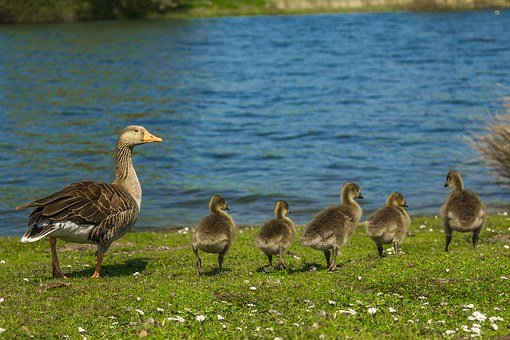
{"points": [[58, 274], [100, 256]]}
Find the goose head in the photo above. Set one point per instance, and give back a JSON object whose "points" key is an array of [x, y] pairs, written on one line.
{"points": [[454, 180], [396, 199], [351, 191], [218, 204], [134, 135], [281, 209]]}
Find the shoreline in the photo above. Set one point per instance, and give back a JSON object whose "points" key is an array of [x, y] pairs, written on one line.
{"points": [[65, 11]]}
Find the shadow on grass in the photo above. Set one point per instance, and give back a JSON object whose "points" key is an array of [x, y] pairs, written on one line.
{"points": [[127, 268], [215, 272]]}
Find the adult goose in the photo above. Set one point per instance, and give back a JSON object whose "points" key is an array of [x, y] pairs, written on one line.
{"points": [[90, 211]]}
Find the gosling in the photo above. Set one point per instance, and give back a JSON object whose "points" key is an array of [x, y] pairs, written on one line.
{"points": [[389, 225], [215, 233], [277, 234], [463, 211], [331, 228]]}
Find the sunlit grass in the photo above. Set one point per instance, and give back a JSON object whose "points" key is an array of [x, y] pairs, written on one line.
{"points": [[149, 286]]}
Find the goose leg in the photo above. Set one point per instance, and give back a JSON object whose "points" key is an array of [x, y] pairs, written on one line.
{"points": [[100, 255], [448, 234], [333, 264], [395, 247], [380, 250], [57, 273], [220, 258], [281, 265], [199, 260], [327, 254], [476, 232], [270, 258]]}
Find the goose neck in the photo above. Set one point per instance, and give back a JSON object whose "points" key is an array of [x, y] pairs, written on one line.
{"points": [[125, 174]]}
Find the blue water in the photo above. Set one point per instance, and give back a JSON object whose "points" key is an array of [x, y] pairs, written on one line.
{"points": [[255, 108]]}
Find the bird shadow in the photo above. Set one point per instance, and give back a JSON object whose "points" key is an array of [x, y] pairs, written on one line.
{"points": [[290, 269], [127, 268], [215, 272]]}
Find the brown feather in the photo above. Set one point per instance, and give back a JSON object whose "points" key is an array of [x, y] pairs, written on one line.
{"points": [[87, 202]]}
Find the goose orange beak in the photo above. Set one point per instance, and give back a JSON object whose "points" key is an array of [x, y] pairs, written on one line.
{"points": [[150, 138]]}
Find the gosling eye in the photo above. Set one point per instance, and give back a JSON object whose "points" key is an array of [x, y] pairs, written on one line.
{"points": [[136, 130]]}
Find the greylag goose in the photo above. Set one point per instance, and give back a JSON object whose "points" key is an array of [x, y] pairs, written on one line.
{"points": [[463, 211], [331, 228], [389, 225], [276, 235], [90, 211], [215, 232]]}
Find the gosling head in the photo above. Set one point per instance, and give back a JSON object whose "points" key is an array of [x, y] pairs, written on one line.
{"points": [[281, 209], [135, 135], [454, 180], [396, 199], [218, 204], [351, 191]]}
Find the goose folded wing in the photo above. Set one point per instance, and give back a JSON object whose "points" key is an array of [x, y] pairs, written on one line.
{"points": [[86, 202]]}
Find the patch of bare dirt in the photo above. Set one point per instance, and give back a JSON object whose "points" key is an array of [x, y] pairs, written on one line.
{"points": [[68, 246], [505, 238]]}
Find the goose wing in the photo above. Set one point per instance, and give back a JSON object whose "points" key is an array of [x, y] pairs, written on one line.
{"points": [[82, 203]]}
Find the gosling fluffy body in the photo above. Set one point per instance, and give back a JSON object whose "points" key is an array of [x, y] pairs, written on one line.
{"points": [[389, 225], [331, 228], [463, 211], [276, 235], [215, 232]]}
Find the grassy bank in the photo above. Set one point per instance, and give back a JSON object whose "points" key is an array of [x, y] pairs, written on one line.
{"points": [[34, 11], [150, 287]]}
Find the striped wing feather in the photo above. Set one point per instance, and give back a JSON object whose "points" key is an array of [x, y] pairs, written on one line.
{"points": [[85, 202]]}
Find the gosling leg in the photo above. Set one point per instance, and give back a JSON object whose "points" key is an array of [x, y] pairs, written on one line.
{"points": [[281, 265], [380, 250], [270, 258], [476, 232], [220, 258], [395, 247], [198, 259], [448, 234], [327, 254], [333, 266]]}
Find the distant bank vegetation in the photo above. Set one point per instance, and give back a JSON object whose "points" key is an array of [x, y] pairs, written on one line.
{"points": [[26, 11]]}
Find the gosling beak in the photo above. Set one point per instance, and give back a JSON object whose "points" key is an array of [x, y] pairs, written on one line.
{"points": [[227, 207], [289, 212], [150, 138], [405, 205], [360, 196], [445, 185]]}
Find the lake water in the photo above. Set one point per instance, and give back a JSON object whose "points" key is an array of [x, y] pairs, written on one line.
{"points": [[255, 108]]}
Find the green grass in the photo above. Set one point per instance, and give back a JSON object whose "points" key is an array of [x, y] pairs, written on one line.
{"points": [[426, 287]]}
